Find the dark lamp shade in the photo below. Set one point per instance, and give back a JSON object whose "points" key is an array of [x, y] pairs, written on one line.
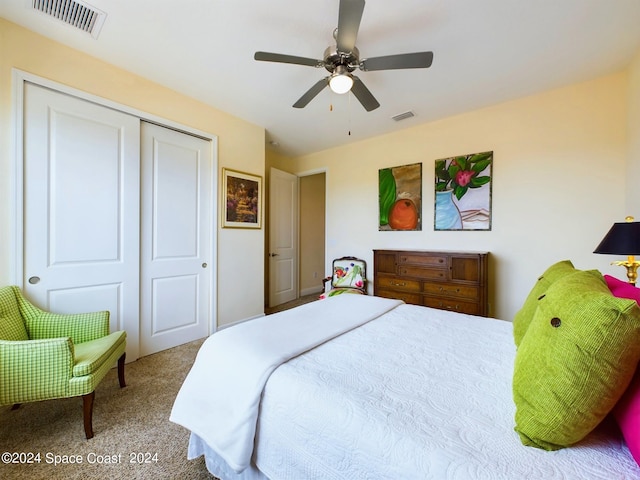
{"points": [[622, 239]]}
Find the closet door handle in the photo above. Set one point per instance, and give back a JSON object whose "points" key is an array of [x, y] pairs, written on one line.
{"points": [[34, 280]]}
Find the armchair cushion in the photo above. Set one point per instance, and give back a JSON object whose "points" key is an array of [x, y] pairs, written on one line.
{"points": [[89, 356], [340, 291]]}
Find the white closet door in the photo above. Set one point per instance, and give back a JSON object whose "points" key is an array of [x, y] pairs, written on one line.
{"points": [[176, 238], [81, 208]]}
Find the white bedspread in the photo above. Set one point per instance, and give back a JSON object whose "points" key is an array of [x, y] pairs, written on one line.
{"points": [[415, 394], [220, 398]]}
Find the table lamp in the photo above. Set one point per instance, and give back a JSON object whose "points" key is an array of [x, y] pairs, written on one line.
{"points": [[623, 239]]}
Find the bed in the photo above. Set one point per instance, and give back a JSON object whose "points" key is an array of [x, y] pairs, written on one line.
{"points": [[363, 387]]}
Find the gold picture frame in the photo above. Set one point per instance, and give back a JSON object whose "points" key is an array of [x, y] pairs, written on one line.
{"points": [[241, 199]]}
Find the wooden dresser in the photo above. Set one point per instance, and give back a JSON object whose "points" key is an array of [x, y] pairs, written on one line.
{"points": [[446, 280]]}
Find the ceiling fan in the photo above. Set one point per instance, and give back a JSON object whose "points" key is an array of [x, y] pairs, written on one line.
{"points": [[343, 58]]}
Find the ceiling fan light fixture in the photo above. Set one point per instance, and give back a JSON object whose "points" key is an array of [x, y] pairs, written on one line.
{"points": [[341, 80]]}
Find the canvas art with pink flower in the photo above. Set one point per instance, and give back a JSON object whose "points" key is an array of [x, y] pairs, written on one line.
{"points": [[463, 192]]}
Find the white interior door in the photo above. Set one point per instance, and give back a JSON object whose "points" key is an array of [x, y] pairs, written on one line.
{"points": [[176, 238], [283, 237], [81, 208]]}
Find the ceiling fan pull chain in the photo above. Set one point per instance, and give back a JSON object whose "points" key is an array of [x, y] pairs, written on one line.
{"points": [[349, 115]]}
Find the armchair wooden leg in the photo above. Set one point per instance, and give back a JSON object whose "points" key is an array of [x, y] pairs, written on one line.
{"points": [[87, 408], [121, 370]]}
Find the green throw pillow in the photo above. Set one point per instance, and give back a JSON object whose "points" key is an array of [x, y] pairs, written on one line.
{"points": [[523, 318], [575, 361]]}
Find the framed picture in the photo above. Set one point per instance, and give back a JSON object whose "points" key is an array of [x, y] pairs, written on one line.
{"points": [[400, 198], [463, 192], [241, 200]]}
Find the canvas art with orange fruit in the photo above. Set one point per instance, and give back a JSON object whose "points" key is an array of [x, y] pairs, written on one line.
{"points": [[400, 199]]}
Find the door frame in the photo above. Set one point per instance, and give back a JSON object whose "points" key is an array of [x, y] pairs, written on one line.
{"points": [[16, 199], [308, 173], [305, 173]]}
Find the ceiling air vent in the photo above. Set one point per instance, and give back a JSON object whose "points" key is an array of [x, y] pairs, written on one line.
{"points": [[403, 116], [72, 12]]}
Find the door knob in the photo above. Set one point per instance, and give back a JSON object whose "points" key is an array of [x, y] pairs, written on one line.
{"points": [[204, 265], [34, 280]]}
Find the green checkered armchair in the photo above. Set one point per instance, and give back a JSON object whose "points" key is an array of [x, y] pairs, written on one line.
{"points": [[46, 355]]}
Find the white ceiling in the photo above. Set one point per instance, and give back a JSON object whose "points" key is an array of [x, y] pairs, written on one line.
{"points": [[485, 52]]}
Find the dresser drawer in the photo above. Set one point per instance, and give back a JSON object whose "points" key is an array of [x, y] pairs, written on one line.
{"points": [[449, 290], [423, 272], [406, 297], [426, 260], [451, 304], [395, 283]]}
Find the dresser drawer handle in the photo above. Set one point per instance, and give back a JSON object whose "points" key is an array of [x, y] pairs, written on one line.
{"points": [[395, 284], [442, 289], [450, 307]]}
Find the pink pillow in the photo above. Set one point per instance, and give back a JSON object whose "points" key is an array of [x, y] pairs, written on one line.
{"points": [[627, 410], [622, 289], [627, 415]]}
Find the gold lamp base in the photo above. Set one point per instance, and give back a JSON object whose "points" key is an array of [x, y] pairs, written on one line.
{"points": [[631, 264]]}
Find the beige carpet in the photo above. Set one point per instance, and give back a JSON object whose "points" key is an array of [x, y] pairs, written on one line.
{"points": [[130, 425], [293, 303]]}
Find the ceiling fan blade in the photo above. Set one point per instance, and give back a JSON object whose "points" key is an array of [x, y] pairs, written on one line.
{"points": [[349, 17], [280, 58], [393, 62], [311, 93], [363, 95]]}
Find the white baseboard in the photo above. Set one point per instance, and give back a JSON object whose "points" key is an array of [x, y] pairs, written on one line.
{"points": [[310, 291], [231, 324]]}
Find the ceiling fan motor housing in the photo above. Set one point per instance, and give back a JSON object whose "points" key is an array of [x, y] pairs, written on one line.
{"points": [[333, 58]]}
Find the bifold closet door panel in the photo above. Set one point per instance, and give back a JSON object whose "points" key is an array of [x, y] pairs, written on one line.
{"points": [[81, 211]]}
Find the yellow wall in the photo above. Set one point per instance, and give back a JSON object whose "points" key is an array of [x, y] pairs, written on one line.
{"points": [[558, 184], [240, 146], [560, 158], [633, 132]]}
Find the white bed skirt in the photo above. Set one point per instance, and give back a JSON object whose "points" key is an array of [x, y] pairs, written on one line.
{"points": [[216, 465]]}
